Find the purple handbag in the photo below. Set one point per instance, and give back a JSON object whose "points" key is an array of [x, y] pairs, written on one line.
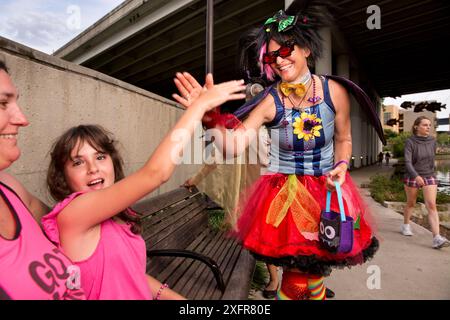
{"points": [[336, 229]]}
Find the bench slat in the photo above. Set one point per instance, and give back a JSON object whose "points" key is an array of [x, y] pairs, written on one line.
{"points": [[163, 273], [176, 221], [199, 274], [164, 200], [184, 235], [151, 221], [239, 284], [182, 266], [226, 257]]}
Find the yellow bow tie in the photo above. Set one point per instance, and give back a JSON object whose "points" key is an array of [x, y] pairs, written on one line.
{"points": [[287, 88]]}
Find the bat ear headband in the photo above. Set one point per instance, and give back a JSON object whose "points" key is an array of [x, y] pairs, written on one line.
{"points": [[284, 21]]}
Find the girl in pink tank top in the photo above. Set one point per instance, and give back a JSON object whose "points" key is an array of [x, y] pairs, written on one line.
{"points": [[92, 223]]}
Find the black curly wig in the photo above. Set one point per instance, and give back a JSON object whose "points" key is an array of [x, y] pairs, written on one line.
{"points": [[308, 17]]}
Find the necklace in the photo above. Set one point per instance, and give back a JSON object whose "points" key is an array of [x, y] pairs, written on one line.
{"points": [[313, 123], [314, 98], [292, 102], [285, 122]]}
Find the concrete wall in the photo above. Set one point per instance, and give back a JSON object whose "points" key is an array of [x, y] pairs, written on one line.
{"points": [[55, 95]]}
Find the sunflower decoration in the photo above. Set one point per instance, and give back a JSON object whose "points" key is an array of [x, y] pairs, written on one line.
{"points": [[307, 126]]}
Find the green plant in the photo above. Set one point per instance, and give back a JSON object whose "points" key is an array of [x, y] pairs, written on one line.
{"points": [[442, 198], [388, 133], [443, 139], [398, 144], [384, 188], [260, 276], [216, 219]]}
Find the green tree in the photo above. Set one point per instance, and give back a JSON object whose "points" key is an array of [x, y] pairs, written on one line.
{"points": [[398, 144], [443, 139], [388, 134]]}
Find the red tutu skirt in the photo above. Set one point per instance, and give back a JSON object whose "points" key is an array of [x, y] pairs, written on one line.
{"points": [[290, 239]]}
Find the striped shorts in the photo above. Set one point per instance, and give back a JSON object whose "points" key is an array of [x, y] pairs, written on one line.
{"points": [[429, 181]]}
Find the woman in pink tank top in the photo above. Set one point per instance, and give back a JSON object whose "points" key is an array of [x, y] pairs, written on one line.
{"points": [[31, 267], [92, 223]]}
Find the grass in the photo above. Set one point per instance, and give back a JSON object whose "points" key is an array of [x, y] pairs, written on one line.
{"points": [[383, 188], [216, 219], [260, 276]]}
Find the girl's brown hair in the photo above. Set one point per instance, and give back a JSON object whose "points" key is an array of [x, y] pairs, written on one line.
{"points": [[102, 141], [417, 123]]}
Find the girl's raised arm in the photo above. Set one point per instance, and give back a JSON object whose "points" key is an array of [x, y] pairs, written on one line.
{"points": [[90, 209]]}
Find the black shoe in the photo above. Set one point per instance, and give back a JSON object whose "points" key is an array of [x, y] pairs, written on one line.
{"points": [[329, 293], [269, 294]]}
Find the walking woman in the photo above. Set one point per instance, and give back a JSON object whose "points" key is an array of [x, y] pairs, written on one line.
{"points": [[420, 150]]}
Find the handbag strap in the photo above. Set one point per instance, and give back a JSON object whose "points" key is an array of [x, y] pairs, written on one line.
{"points": [[339, 197]]}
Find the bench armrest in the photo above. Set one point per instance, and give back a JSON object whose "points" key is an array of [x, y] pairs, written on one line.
{"points": [[192, 255]]}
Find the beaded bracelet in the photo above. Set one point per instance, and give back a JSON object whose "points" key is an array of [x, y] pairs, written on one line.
{"points": [[158, 295], [339, 162]]}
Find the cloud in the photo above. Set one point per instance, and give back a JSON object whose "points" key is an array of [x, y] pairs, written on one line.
{"points": [[36, 29], [47, 25], [38, 24]]}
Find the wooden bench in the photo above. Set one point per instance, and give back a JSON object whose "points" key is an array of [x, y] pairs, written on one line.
{"points": [[185, 252]]}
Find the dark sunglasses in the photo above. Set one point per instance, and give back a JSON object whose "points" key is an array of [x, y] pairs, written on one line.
{"points": [[284, 51]]}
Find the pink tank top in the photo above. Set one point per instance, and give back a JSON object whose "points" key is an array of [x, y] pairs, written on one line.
{"points": [[31, 267], [116, 269]]}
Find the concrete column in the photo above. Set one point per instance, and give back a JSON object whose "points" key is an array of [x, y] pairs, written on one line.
{"points": [[379, 107], [323, 65], [363, 134], [373, 145], [372, 142], [368, 143], [287, 3], [343, 70], [376, 145], [355, 117], [343, 65]]}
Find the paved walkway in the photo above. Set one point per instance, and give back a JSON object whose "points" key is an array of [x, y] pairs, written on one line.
{"points": [[408, 267]]}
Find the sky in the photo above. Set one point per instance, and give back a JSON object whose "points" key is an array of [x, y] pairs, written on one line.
{"points": [[46, 25]]}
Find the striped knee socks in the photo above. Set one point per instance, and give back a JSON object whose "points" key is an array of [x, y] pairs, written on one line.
{"points": [[301, 286], [316, 288]]}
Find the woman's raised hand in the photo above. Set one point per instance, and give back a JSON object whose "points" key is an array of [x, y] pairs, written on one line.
{"points": [[189, 88], [215, 95]]}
